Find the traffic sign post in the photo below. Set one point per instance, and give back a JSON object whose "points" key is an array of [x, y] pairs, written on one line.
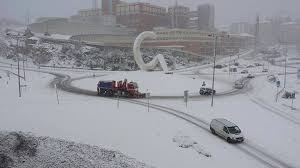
{"points": [[186, 97], [278, 85], [293, 97], [148, 97], [56, 93], [118, 100]]}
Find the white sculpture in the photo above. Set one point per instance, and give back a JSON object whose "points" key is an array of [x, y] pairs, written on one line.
{"points": [[138, 55]]}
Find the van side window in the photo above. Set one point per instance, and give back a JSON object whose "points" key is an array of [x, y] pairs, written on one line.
{"points": [[225, 130]]}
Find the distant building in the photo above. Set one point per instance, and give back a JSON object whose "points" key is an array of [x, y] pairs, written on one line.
{"points": [[267, 34], [89, 12], [88, 25], [179, 16], [290, 32], [203, 18], [109, 7], [142, 16], [93, 16], [198, 41], [240, 27]]}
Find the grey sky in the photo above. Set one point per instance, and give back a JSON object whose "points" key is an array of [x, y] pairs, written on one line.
{"points": [[227, 11]]}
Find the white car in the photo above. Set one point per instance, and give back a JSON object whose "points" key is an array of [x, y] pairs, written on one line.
{"points": [[227, 130]]}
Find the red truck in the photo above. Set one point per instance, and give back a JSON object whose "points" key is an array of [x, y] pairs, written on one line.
{"points": [[120, 88]]}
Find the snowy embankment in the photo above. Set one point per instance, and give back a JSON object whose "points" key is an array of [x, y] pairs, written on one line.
{"points": [[21, 150]]}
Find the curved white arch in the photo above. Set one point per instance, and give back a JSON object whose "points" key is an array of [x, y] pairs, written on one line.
{"points": [[138, 55]]}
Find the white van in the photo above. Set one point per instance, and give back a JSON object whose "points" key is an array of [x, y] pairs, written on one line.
{"points": [[226, 130]]}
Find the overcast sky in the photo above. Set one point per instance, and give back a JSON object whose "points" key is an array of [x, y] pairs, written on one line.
{"points": [[227, 11]]}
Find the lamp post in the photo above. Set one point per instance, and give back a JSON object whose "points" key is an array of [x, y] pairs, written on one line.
{"points": [[19, 82], [215, 36], [214, 65], [285, 56]]}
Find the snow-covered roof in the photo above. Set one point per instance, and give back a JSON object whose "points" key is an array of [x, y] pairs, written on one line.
{"points": [[33, 38], [242, 35], [289, 23], [246, 35], [54, 36], [60, 36]]}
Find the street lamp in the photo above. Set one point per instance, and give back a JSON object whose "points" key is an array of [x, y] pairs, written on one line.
{"points": [[285, 55], [214, 65], [19, 82], [215, 36]]}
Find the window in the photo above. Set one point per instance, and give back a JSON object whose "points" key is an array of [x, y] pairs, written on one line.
{"points": [[225, 130]]}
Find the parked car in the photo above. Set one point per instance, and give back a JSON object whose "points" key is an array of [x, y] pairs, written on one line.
{"points": [[206, 91], [265, 70], [169, 72], [238, 85], [244, 71], [250, 76], [218, 66], [289, 95], [236, 64], [227, 130], [272, 78], [258, 64]]}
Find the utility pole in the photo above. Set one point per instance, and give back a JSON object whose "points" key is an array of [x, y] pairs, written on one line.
{"points": [[19, 82], [285, 56], [213, 82], [256, 35], [24, 67]]}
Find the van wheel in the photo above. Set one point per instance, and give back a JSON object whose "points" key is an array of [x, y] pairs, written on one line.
{"points": [[229, 140], [212, 130]]}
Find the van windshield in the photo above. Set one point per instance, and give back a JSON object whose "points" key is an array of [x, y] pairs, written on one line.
{"points": [[234, 130]]}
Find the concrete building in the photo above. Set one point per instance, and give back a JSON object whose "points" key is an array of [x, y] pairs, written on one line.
{"points": [[290, 32], [267, 33], [240, 27], [203, 18], [89, 12], [88, 25], [179, 16], [109, 7], [142, 16], [196, 41]]}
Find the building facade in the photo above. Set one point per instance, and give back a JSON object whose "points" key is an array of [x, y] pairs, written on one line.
{"points": [[179, 16], [241, 27], [203, 18], [141, 16], [109, 7], [196, 41]]}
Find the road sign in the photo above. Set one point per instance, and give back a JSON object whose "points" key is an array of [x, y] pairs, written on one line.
{"points": [[278, 83], [147, 95], [186, 97]]}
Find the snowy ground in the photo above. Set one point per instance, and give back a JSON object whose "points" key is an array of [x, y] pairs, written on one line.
{"points": [[157, 138], [156, 83], [146, 136]]}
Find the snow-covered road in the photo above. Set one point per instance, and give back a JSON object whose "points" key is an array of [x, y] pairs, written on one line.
{"points": [[270, 138]]}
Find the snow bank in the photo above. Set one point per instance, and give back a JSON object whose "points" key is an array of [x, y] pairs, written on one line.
{"points": [[21, 150]]}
